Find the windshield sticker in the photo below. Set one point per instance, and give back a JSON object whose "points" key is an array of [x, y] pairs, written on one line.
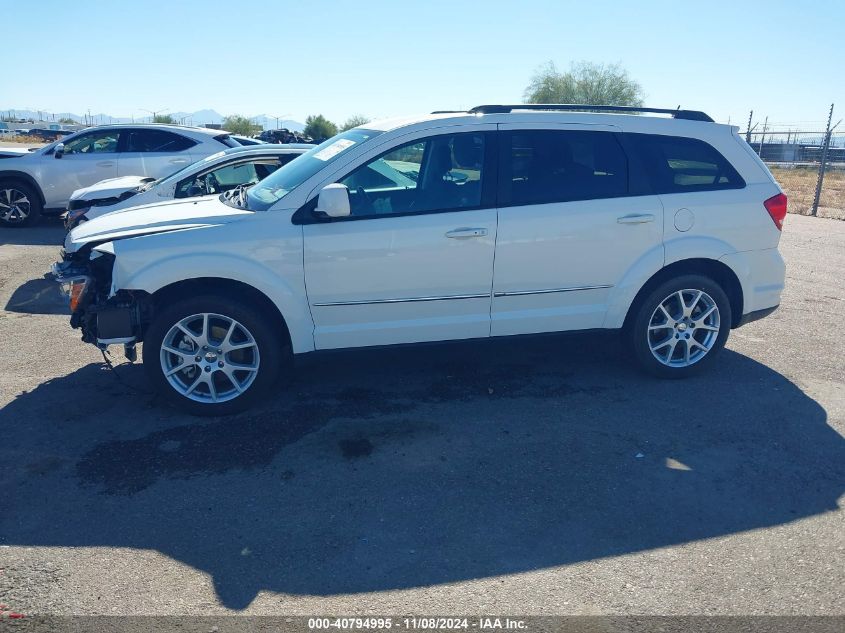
{"points": [[334, 149]]}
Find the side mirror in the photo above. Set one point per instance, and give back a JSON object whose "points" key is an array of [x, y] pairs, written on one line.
{"points": [[334, 201], [59, 150]]}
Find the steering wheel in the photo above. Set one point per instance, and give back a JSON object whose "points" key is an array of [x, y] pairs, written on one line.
{"points": [[364, 197]]}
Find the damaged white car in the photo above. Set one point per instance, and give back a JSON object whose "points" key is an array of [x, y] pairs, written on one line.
{"points": [[500, 221], [215, 174]]}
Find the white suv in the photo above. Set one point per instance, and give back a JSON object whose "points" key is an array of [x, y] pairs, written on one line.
{"points": [[43, 180], [500, 221]]}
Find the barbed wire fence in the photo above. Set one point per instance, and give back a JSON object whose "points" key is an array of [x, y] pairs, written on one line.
{"points": [[808, 161]]}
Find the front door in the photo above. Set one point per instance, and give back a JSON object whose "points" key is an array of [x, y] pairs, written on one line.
{"points": [[87, 159], [570, 227], [414, 261]]}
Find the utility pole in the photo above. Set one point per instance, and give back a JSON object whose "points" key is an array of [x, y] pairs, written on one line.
{"points": [[763, 137]]}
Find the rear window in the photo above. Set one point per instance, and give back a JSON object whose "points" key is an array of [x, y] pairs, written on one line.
{"points": [[676, 164], [157, 141], [542, 166]]}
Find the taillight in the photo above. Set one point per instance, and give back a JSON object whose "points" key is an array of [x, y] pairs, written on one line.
{"points": [[776, 206]]}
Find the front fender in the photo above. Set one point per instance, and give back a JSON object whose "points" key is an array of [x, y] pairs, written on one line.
{"points": [[270, 267]]}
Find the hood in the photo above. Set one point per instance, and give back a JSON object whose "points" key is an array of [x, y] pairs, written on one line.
{"points": [[14, 152], [173, 215], [110, 188]]}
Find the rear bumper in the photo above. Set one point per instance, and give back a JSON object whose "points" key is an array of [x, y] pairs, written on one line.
{"points": [[761, 275]]}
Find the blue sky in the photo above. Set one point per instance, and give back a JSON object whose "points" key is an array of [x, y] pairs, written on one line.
{"points": [[388, 57]]}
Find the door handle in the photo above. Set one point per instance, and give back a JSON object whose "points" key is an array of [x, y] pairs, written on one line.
{"points": [[641, 218], [178, 161], [105, 163], [465, 233]]}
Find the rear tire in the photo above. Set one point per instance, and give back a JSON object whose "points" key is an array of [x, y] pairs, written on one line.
{"points": [[213, 355], [680, 327], [20, 204]]}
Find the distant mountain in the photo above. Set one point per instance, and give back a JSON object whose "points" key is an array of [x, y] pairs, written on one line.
{"points": [[200, 117]]}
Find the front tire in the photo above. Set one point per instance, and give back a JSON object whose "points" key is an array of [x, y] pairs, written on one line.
{"points": [[20, 204], [680, 327], [211, 355]]}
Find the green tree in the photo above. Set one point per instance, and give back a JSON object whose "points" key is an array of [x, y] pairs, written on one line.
{"points": [[238, 124], [354, 121], [66, 120], [319, 127], [584, 83], [163, 118]]}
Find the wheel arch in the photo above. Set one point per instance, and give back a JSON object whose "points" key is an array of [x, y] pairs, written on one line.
{"points": [[11, 174], [218, 285], [719, 272]]}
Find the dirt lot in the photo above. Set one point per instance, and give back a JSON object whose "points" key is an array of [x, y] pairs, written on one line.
{"points": [[515, 477], [799, 185]]}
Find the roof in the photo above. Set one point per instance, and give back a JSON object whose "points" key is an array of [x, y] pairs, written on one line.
{"points": [[609, 115], [268, 148], [157, 126]]}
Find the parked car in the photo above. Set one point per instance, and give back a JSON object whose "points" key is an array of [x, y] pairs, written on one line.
{"points": [[43, 180], [214, 174], [501, 221], [47, 134], [284, 135]]}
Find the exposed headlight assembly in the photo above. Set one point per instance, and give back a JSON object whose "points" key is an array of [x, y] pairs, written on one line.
{"points": [[75, 288]]}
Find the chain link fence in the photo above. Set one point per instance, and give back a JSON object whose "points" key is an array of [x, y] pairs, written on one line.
{"points": [[807, 161]]}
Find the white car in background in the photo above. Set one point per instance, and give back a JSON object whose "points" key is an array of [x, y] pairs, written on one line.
{"points": [[43, 180], [212, 175]]}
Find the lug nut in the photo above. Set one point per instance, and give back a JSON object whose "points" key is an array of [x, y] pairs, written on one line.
{"points": [[220, 364], [220, 351], [207, 368], [198, 358]]}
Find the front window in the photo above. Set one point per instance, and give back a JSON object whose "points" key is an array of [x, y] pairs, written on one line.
{"points": [[434, 174], [281, 182], [104, 141]]}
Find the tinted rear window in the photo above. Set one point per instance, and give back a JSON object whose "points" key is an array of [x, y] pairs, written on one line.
{"points": [[677, 164], [156, 141], [542, 166]]}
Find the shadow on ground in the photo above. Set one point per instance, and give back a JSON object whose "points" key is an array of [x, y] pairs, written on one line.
{"points": [[382, 470], [38, 296], [46, 232]]}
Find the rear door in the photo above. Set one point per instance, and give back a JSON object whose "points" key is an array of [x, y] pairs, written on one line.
{"points": [[155, 153], [570, 227]]}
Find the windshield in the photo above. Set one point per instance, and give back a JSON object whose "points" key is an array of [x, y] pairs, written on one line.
{"points": [[287, 178]]}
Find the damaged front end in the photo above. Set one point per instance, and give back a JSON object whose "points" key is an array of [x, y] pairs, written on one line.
{"points": [[105, 316]]}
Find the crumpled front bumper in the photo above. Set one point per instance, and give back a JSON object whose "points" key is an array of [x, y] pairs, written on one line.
{"points": [[103, 320]]}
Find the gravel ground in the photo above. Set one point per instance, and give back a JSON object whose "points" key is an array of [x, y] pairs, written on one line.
{"points": [[539, 476]]}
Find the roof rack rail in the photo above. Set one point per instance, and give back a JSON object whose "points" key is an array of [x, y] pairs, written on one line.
{"points": [[689, 115]]}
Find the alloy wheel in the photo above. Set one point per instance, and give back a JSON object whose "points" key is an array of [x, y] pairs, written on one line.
{"points": [[15, 206], [209, 358], [683, 328]]}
